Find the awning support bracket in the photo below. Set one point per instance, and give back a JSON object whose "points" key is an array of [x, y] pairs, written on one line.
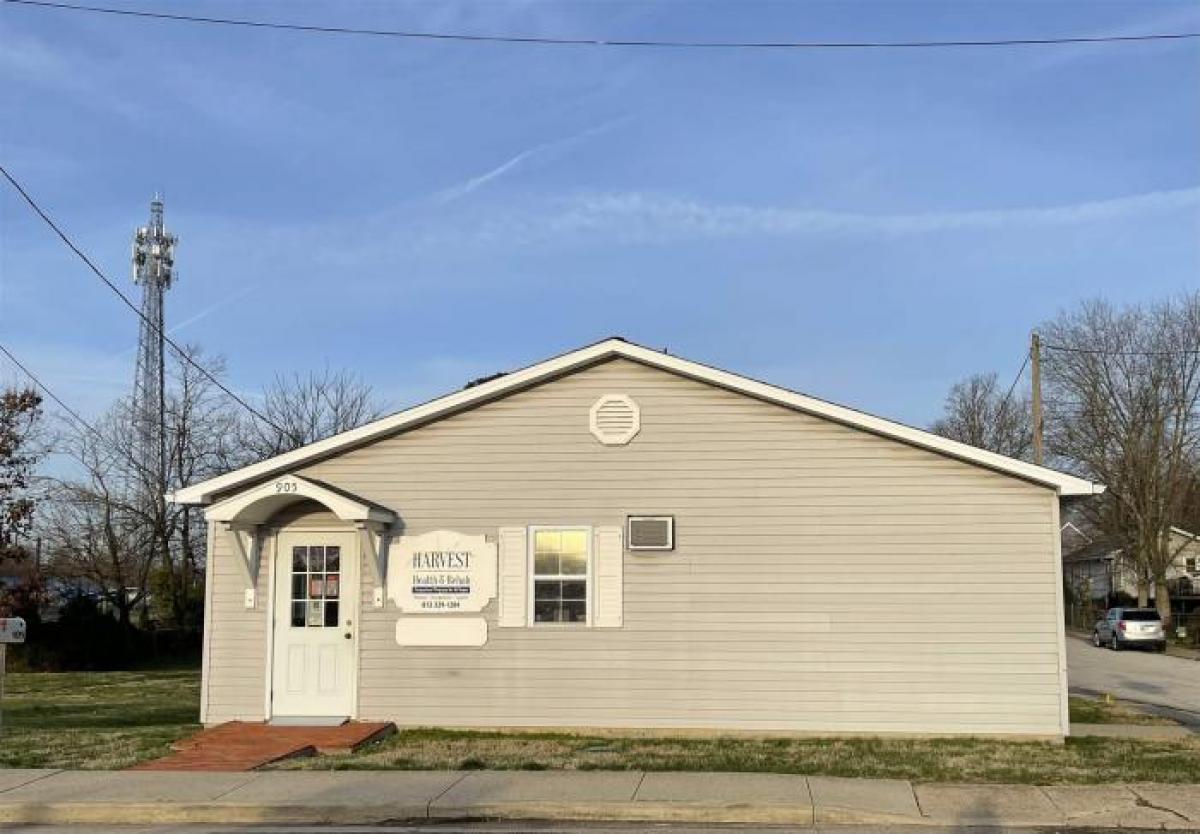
{"points": [[247, 553], [374, 538]]}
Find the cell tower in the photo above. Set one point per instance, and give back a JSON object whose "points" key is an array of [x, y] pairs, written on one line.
{"points": [[154, 270]]}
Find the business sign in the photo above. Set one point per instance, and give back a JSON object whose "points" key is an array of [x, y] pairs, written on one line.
{"points": [[442, 573], [12, 630]]}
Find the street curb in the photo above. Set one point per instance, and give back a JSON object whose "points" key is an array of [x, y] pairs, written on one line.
{"points": [[211, 813], [177, 814], [180, 813], [432, 799], [173, 813], [633, 811]]}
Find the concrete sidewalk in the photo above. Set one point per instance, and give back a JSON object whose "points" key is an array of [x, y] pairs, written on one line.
{"points": [[353, 797]]}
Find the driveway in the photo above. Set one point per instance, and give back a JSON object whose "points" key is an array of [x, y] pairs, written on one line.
{"points": [[1157, 679]]}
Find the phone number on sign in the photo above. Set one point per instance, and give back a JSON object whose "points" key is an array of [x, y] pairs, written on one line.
{"points": [[440, 605]]}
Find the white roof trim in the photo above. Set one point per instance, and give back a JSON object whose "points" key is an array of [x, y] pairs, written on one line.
{"points": [[203, 492], [257, 505]]}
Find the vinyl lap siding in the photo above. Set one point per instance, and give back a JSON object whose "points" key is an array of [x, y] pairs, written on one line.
{"points": [[235, 637], [824, 579]]}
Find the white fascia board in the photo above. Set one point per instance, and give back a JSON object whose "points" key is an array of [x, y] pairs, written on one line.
{"points": [[203, 492]]}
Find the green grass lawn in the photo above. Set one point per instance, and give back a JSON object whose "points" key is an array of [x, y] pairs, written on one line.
{"points": [[1078, 761], [96, 720], [110, 720], [1096, 711]]}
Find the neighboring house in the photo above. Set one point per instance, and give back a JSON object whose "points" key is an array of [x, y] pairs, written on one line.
{"points": [[1105, 573], [621, 538], [140, 611]]}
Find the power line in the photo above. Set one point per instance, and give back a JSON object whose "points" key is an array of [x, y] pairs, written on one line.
{"points": [[157, 330], [1104, 352], [46, 390], [1016, 379], [72, 412], [549, 41]]}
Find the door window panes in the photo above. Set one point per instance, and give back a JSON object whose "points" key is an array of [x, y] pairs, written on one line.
{"points": [[316, 585], [560, 581]]}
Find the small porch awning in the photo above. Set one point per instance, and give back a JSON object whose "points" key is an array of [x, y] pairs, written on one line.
{"points": [[258, 504], [243, 516]]}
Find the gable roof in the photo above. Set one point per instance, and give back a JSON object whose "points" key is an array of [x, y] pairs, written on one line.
{"points": [[1111, 548], [1095, 551], [493, 388]]}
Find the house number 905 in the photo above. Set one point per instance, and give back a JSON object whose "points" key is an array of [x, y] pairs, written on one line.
{"points": [[285, 486]]}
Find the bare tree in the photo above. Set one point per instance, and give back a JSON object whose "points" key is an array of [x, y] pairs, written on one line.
{"points": [[95, 530], [307, 408], [201, 439], [112, 529], [1123, 389], [978, 412]]}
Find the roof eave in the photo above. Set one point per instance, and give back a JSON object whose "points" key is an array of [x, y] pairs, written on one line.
{"points": [[204, 492]]}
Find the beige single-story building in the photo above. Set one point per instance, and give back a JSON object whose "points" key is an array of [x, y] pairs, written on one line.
{"points": [[620, 538]]}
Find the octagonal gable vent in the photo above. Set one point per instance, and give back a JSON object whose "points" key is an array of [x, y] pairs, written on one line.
{"points": [[615, 419]]}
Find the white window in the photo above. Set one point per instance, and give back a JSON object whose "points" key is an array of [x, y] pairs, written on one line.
{"points": [[561, 575], [316, 585]]}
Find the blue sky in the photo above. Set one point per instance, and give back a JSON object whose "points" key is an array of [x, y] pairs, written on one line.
{"points": [[866, 227]]}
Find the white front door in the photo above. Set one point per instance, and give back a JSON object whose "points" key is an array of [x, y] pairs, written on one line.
{"points": [[316, 594]]}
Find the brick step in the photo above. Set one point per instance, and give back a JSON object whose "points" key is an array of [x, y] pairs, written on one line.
{"points": [[241, 746]]}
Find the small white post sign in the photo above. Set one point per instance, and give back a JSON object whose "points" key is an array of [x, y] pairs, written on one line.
{"points": [[12, 630], [442, 573]]}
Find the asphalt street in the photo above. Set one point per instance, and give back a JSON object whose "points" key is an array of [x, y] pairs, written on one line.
{"points": [[1146, 677]]}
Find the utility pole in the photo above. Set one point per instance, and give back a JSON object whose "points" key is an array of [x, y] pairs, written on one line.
{"points": [[1035, 360]]}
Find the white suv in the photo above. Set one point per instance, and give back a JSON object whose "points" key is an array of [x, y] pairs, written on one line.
{"points": [[1128, 627]]}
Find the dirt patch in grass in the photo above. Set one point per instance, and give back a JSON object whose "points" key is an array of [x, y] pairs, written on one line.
{"points": [[96, 720], [1078, 761], [1098, 711]]}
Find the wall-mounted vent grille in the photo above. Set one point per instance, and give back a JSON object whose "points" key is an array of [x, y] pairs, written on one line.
{"points": [[615, 419], [651, 532]]}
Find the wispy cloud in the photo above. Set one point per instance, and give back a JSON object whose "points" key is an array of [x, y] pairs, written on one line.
{"points": [[647, 216], [212, 308], [466, 187], [197, 316], [370, 246]]}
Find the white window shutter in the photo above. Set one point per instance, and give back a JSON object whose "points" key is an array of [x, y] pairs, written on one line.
{"points": [[514, 580], [609, 554]]}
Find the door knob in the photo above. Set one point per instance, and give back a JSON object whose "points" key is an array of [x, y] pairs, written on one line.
{"points": [[347, 635]]}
